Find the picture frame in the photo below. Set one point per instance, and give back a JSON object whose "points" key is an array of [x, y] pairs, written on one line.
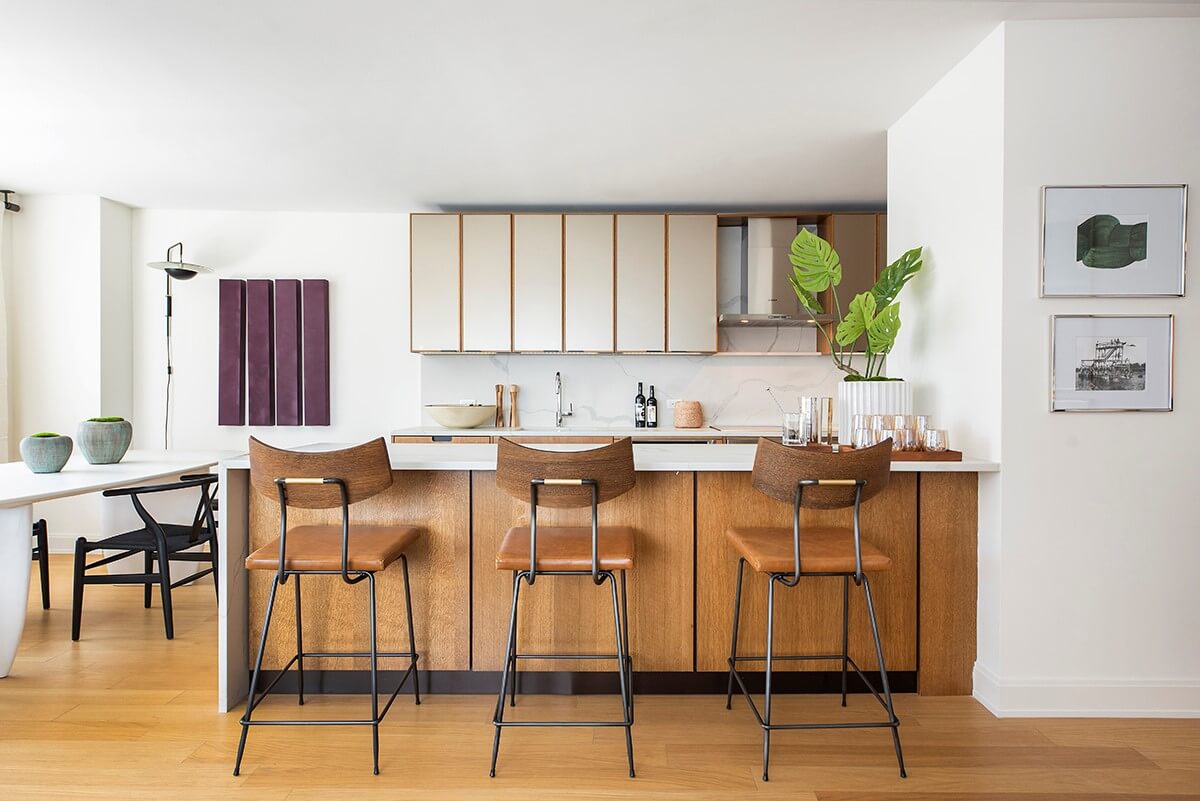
{"points": [[1112, 362], [1114, 240]]}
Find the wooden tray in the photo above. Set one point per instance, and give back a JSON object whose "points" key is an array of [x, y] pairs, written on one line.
{"points": [[903, 456]]}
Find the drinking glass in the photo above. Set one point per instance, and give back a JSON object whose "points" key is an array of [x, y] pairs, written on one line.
{"points": [[875, 422], [899, 422], [888, 433], [922, 425], [936, 440], [906, 440], [793, 429], [863, 437], [810, 411], [860, 421]]}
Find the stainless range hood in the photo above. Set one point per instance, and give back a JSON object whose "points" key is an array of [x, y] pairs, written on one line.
{"points": [[767, 298]]}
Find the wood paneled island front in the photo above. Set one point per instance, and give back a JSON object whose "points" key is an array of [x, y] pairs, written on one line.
{"points": [[681, 590]]}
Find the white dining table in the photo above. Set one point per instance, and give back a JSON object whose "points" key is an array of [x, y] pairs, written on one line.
{"points": [[20, 488]]}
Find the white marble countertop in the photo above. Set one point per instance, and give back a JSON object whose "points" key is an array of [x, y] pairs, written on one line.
{"points": [[663, 432], [20, 486], [650, 457]]}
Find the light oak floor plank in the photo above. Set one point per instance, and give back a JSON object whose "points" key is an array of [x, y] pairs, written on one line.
{"points": [[124, 714]]}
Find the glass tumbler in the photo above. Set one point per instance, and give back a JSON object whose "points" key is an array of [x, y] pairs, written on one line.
{"points": [[888, 433], [921, 425], [906, 440], [936, 440], [793, 429], [863, 437]]}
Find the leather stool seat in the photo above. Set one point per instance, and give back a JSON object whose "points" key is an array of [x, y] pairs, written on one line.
{"points": [[370, 549], [823, 549], [567, 548]]}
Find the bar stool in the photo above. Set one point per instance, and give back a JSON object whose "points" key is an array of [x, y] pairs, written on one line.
{"points": [[327, 480], [813, 479], [567, 480]]}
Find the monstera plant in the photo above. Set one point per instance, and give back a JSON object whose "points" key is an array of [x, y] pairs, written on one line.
{"points": [[874, 314]]}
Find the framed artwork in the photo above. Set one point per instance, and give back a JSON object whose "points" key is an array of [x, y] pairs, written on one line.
{"points": [[1111, 362], [1115, 241]]}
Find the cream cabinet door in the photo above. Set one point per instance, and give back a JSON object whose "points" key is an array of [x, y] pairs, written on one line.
{"points": [[588, 273], [641, 282], [487, 282], [434, 282], [537, 282], [692, 282]]}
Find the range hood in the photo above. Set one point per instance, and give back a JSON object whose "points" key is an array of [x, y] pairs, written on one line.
{"points": [[766, 295]]}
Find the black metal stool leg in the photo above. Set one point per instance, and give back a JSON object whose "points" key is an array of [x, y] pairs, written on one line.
{"points": [[628, 649], [77, 588], [883, 677], [508, 656], [737, 614], [845, 632], [512, 698], [299, 648], [412, 637], [262, 647], [767, 701], [374, 678], [625, 690]]}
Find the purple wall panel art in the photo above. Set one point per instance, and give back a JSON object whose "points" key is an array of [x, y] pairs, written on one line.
{"points": [[287, 352], [316, 352], [260, 351], [231, 354]]}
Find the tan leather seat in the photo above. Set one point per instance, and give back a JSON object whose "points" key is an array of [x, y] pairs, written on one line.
{"points": [[567, 548], [823, 549], [371, 548]]}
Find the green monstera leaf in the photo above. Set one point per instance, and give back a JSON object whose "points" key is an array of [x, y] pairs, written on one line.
{"points": [[808, 299], [895, 276], [817, 263], [881, 333], [864, 316]]}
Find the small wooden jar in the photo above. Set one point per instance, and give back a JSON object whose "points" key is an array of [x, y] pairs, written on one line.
{"points": [[688, 414]]}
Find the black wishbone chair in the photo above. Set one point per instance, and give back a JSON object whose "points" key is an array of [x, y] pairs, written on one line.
{"points": [[556, 479], [157, 542], [41, 555], [354, 553], [819, 480]]}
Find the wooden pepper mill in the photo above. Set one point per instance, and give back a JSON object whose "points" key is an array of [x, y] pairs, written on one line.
{"points": [[499, 422], [513, 422]]}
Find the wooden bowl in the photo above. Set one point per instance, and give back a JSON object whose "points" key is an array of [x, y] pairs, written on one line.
{"points": [[459, 415]]}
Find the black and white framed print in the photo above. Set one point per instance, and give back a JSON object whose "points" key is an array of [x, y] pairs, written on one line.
{"points": [[1111, 362], [1118, 241]]}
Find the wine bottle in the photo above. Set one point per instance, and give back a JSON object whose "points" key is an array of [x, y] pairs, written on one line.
{"points": [[639, 408], [651, 410]]}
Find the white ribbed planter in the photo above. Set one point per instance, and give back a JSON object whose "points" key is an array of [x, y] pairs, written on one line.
{"points": [[869, 397]]}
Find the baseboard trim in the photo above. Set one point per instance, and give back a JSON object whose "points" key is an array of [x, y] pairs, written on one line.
{"points": [[1086, 698]]}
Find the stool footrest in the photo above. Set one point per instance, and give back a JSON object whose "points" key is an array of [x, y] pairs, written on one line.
{"points": [[577, 724]]}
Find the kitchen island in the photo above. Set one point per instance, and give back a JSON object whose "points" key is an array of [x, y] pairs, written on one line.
{"points": [[681, 590]]}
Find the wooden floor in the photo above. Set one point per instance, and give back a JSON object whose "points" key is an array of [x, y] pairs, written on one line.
{"points": [[124, 714]]}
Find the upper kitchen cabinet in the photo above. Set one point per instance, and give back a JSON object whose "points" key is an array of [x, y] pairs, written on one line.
{"points": [[538, 281], [588, 277], [434, 282], [854, 236], [487, 282], [691, 282], [641, 282]]}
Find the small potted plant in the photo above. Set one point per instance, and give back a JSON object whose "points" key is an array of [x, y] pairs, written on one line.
{"points": [[46, 452], [104, 440], [872, 316]]}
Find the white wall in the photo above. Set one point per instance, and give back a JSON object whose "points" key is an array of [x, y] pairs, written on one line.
{"points": [[1088, 553], [946, 192], [55, 336], [374, 379]]}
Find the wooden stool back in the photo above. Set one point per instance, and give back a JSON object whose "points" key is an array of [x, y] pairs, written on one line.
{"points": [[610, 466], [778, 468], [365, 469]]}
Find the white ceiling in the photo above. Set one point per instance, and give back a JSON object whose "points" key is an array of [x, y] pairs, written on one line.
{"points": [[375, 105]]}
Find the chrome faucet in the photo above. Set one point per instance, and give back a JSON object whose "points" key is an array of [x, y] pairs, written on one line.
{"points": [[559, 414]]}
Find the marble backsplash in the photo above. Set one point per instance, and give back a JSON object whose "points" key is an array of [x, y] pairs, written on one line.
{"points": [[731, 389]]}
